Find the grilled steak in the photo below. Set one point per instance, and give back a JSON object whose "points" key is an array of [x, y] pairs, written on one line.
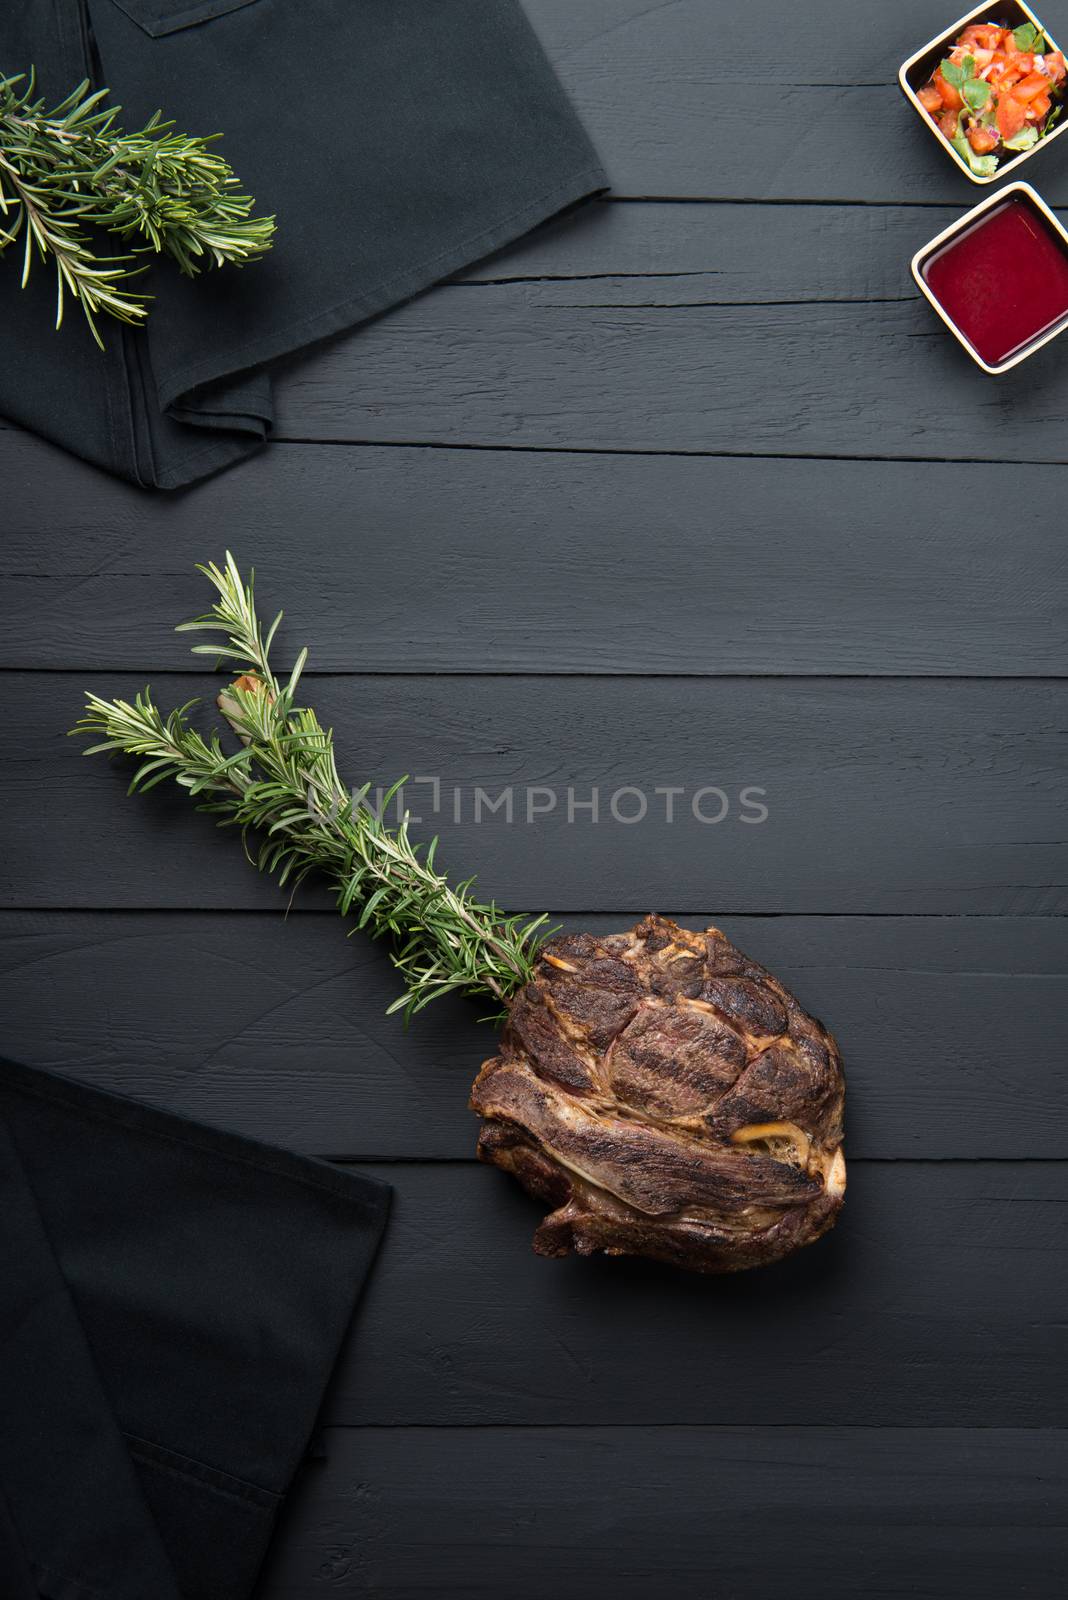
{"points": [[667, 1097]]}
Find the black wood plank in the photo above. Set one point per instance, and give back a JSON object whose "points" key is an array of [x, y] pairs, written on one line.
{"points": [[952, 1029], [938, 1299], [509, 365], [751, 328], [431, 560], [688, 98], [749, 1514], [883, 795], [719, 253]]}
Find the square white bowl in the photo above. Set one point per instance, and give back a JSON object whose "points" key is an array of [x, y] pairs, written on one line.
{"points": [[958, 227], [918, 69]]}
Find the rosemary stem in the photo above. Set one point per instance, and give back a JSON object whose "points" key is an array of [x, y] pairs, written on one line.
{"points": [[283, 786]]}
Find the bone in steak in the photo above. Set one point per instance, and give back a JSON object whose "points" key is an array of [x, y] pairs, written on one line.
{"points": [[667, 1097]]}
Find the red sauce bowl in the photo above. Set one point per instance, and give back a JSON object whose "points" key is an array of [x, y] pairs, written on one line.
{"points": [[998, 277]]}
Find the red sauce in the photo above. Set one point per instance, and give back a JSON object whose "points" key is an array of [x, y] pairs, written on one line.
{"points": [[1003, 281]]}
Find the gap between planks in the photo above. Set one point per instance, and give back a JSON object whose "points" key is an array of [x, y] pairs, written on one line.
{"points": [[834, 203], [285, 913], [853, 1161], [181, 670], [632, 450], [290, 441], [903, 1428], [295, 442]]}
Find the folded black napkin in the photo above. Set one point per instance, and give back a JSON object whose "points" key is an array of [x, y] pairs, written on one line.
{"points": [[397, 141], [172, 1302]]}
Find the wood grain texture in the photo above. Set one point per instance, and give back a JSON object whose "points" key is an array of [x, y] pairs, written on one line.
{"points": [[514, 561], [915, 796], [511, 365], [738, 330], [936, 1514], [938, 1299], [951, 1028], [718, 253], [765, 100]]}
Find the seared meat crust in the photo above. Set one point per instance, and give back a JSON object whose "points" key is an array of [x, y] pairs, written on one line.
{"points": [[666, 1097]]}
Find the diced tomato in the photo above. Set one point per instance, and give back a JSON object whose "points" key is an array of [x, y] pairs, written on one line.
{"points": [[982, 35], [950, 98], [982, 139], [1023, 84], [1035, 84], [1012, 115]]}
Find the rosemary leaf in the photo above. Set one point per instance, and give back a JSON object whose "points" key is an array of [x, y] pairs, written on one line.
{"points": [[64, 170]]}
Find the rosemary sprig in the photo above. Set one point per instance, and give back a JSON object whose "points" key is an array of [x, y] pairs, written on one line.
{"points": [[64, 169], [283, 784]]}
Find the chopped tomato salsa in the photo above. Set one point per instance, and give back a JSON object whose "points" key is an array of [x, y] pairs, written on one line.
{"points": [[998, 92]]}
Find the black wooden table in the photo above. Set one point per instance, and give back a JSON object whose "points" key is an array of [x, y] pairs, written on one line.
{"points": [[691, 492]]}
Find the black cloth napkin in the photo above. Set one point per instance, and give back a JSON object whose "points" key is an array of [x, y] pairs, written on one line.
{"points": [[396, 141], [172, 1302]]}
